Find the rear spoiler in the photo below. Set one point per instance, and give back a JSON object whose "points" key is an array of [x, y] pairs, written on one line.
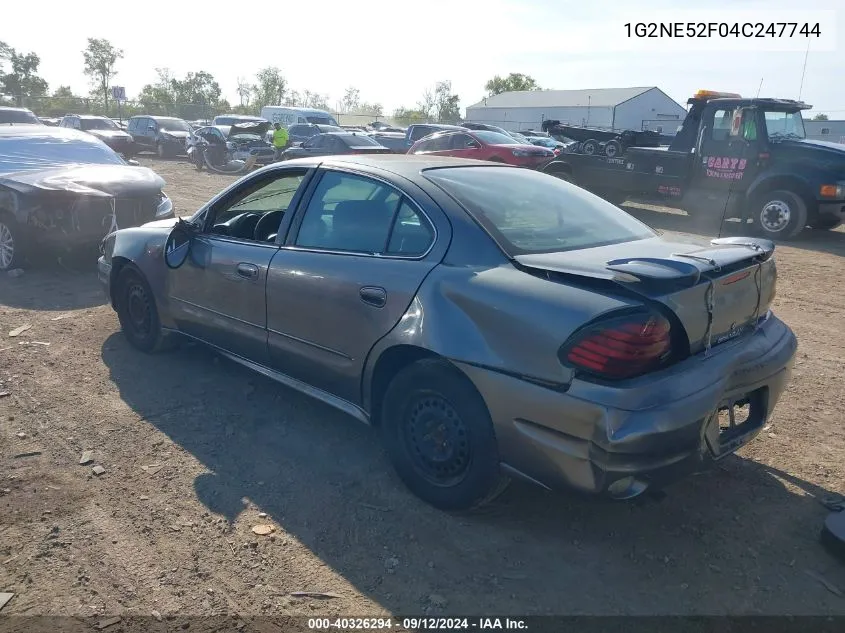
{"points": [[726, 251]]}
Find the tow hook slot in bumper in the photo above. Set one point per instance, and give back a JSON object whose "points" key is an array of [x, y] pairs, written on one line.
{"points": [[735, 422]]}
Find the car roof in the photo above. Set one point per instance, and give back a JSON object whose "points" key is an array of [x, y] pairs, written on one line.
{"points": [[14, 109], [88, 116], [42, 131], [406, 165]]}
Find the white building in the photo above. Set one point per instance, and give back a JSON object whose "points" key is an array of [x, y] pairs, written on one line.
{"points": [[611, 108], [833, 131]]}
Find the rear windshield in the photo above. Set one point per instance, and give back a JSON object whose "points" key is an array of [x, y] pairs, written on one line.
{"points": [[173, 125], [530, 212], [357, 140], [18, 116], [24, 153]]}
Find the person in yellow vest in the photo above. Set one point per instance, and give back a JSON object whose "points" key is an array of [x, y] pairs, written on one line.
{"points": [[280, 140]]}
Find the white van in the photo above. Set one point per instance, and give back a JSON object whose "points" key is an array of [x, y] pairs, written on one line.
{"points": [[291, 116]]}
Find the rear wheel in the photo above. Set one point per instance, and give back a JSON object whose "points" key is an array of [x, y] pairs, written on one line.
{"points": [[612, 149], [590, 147], [825, 222], [439, 436], [779, 215], [161, 150], [11, 244], [137, 311]]}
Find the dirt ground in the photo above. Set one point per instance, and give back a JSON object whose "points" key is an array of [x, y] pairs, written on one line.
{"points": [[198, 451]]}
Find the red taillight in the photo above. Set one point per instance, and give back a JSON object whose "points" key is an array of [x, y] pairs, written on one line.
{"points": [[622, 347]]}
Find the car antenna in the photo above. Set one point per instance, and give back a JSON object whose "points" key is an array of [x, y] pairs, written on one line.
{"points": [[760, 87]]}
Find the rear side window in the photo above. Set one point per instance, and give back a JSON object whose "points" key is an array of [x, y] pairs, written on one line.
{"points": [[357, 140], [419, 131], [531, 212], [355, 214]]}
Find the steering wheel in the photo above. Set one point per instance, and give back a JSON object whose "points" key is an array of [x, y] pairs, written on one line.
{"points": [[267, 225]]}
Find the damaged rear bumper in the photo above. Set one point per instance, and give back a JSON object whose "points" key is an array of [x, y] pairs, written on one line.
{"points": [[621, 439]]}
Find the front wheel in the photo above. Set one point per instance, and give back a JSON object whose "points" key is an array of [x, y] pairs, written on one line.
{"points": [[439, 436], [11, 244], [137, 311], [161, 151], [779, 215]]}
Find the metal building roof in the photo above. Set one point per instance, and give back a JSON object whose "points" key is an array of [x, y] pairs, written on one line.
{"points": [[597, 97]]}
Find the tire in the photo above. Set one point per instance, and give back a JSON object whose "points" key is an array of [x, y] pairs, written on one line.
{"points": [[462, 473], [564, 175], [137, 311], [12, 250], [779, 215], [825, 223], [590, 147], [161, 151], [612, 149]]}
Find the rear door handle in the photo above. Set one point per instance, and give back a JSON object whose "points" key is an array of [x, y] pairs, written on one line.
{"points": [[374, 296], [247, 271]]}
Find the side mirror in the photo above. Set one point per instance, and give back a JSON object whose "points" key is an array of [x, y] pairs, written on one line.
{"points": [[151, 128], [133, 162], [178, 244]]}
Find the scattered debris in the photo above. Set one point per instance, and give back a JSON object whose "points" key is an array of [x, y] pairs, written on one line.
{"points": [[9, 560], [98, 470], [176, 528], [21, 435], [20, 330], [156, 615], [15, 272], [144, 498], [262, 515], [62, 316], [824, 581], [374, 507], [104, 624], [436, 600], [152, 469], [767, 427], [87, 458], [264, 529], [314, 594], [4, 598], [29, 454], [5, 394]]}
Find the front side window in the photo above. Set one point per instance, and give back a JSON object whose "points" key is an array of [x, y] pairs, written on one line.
{"points": [[264, 202], [349, 213], [527, 211], [722, 120]]}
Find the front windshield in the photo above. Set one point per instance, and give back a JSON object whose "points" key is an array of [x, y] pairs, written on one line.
{"points": [[320, 119], [174, 125], [531, 212], [494, 138], [545, 142], [784, 125], [98, 124]]}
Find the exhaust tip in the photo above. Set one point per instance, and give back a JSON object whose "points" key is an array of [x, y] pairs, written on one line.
{"points": [[627, 488]]}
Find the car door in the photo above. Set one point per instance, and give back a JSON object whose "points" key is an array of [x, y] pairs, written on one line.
{"points": [[218, 294], [728, 149], [465, 146], [351, 265]]}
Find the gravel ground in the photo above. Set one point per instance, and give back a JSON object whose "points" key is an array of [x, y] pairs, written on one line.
{"points": [[196, 452]]}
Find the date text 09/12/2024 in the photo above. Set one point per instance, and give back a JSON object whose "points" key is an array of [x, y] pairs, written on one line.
{"points": [[417, 624]]}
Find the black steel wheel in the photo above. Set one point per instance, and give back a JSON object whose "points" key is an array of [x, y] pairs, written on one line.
{"points": [[590, 147], [137, 311], [440, 438]]}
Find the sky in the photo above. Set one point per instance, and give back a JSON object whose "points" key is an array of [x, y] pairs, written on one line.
{"points": [[393, 50]]}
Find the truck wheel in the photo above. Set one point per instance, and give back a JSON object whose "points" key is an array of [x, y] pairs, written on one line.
{"points": [[780, 215], [612, 149], [825, 222], [590, 147]]}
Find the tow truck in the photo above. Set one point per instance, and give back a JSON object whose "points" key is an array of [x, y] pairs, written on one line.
{"points": [[747, 159]]}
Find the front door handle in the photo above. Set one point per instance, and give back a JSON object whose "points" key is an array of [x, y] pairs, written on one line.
{"points": [[374, 296], [247, 271]]}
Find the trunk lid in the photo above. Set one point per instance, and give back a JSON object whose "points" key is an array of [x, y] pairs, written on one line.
{"points": [[717, 290]]}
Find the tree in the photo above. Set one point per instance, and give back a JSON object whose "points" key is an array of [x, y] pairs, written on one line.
{"points": [[100, 61], [22, 80], [245, 91], [63, 101], [440, 104], [199, 88], [351, 99], [820, 117], [512, 83], [270, 87], [5, 54], [408, 116]]}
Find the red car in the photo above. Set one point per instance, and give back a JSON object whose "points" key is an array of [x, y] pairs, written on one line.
{"points": [[482, 145]]}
